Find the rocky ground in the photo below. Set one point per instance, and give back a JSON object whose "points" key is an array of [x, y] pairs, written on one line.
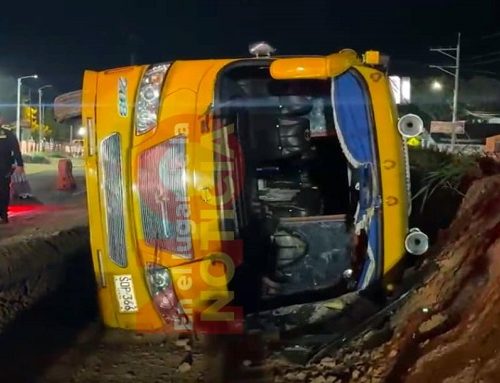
{"points": [[449, 329]]}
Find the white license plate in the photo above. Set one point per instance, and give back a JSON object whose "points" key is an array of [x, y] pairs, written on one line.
{"points": [[125, 293]]}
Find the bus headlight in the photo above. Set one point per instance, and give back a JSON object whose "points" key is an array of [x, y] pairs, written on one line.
{"points": [[161, 288], [148, 100]]}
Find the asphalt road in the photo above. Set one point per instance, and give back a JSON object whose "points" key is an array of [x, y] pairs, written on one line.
{"points": [[44, 187]]}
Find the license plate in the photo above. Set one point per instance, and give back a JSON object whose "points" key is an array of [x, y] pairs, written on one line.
{"points": [[125, 293]]}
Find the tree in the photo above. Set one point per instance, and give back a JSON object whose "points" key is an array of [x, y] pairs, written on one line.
{"points": [[59, 131], [31, 117]]}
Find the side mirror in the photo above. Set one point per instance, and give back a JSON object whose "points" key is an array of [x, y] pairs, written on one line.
{"points": [[314, 67]]}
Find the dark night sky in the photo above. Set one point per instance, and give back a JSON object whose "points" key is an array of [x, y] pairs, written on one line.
{"points": [[59, 39]]}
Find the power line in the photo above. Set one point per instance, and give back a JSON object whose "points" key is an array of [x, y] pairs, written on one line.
{"points": [[496, 53], [486, 62], [478, 71], [491, 36]]}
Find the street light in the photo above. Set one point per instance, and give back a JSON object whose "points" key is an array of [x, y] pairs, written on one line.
{"points": [[18, 121], [82, 131], [436, 86], [41, 115]]}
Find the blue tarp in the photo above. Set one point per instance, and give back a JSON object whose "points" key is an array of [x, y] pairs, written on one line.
{"points": [[354, 125]]}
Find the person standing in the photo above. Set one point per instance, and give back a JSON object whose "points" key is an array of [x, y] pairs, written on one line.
{"points": [[11, 161]]}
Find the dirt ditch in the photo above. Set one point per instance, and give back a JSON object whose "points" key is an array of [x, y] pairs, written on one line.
{"points": [[32, 269], [47, 298]]}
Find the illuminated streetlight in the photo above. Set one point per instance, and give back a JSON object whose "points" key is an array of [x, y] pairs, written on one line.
{"points": [[82, 131], [436, 86]]}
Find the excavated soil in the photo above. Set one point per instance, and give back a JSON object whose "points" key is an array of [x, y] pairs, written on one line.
{"points": [[449, 328]]}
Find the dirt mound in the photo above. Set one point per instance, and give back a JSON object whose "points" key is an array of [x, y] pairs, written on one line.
{"points": [[449, 328]]}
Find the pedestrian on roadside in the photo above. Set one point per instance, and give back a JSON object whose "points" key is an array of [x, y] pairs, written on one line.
{"points": [[11, 161]]}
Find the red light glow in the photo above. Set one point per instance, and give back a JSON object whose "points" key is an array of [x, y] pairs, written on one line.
{"points": [[18, 209], [15, 210]]}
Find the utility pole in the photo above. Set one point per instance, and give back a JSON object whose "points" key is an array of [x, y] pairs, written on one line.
{"points": [[30, 102], [41, 115], [18, 112], [40, 120], [456, 75]]}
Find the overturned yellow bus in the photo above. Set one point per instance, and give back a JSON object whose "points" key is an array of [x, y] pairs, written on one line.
{"points": [[223, 187]]}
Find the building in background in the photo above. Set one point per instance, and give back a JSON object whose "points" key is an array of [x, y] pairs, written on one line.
{"points": [[401, 89]]}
